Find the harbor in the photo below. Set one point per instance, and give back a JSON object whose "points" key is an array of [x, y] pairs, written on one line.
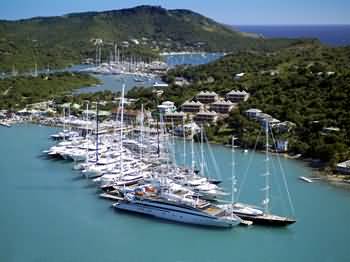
{"points": [[59, 205]]}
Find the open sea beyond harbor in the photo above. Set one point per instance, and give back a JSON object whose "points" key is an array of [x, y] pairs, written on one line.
{"points": [[50, 213]]}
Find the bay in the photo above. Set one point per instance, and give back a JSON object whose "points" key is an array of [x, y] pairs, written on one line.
{"points": [[333, 35], [49, 213]]}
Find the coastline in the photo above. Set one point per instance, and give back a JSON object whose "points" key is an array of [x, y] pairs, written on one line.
{"points": [[317, 173]]}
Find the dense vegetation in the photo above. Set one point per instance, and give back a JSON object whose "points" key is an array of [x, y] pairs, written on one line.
{"points": [[17, 92], [308, 85], [60, 41]]}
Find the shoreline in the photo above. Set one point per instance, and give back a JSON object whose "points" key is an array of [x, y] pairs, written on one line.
{"points": [[316, 172]]}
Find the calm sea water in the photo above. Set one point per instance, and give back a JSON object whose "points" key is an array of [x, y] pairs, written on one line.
{"points": [[115, 83], [334, 35], [49, 213]]}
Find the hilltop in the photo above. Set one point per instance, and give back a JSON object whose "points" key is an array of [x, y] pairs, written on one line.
{"points": [[61, 40]]}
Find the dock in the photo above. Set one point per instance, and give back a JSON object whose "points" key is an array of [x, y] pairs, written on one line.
{"points": [[110, 197]]}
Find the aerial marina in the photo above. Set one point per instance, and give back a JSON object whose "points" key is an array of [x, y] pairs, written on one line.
{"points": [[140, 170], [154, 134]]}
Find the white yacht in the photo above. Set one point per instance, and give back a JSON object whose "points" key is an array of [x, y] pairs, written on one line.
{"points": [[204, 213]]}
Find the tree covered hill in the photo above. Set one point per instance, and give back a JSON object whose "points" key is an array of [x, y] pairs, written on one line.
{"points": [[309, 86], [60, 40]]}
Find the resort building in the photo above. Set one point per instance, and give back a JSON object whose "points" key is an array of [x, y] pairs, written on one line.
{"points": [[180, 81], [263, 118], [174, 117], [207, 97], [206, 116], [192, 107], [237, 96], [222, 106], [167, 107], [253, 113], [344, 167]]}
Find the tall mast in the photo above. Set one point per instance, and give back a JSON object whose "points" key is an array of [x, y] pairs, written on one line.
{"points": [[192, 150], [202, 152], [141, 138], [184, 141], [86, 132], [64, 122], [96, 131], [115, 52], [267, 174], [121, 131], [233, 175]]}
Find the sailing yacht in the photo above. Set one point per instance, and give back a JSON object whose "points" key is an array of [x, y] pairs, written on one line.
{"points": [[258, 216]]}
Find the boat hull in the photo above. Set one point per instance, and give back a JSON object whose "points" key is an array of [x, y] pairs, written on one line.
{"points": [[275, 221], [173, 215]]}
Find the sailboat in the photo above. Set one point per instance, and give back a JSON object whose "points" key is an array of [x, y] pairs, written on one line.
{"points": [[265, 217]]}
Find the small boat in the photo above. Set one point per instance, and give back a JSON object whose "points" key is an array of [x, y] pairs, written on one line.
{"points": [[5, 124], [305, 179]]}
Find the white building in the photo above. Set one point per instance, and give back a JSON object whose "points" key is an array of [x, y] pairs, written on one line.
{"points": [[167, 107], [344, 167], [253, 113], [237, 96], [192, 107], [174, 117], [207, 97], [206, 116], [222, 107]]}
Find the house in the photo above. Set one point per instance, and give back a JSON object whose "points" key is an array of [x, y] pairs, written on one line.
{"points": [[253, 113], [206, 97], [282, 146], [180, 81], [206, 116], [239, 76], [343, 167], [174, 117], [166, 107], [237, 96], [263, 118], [284, 127], [192, 107], [187, 129], [222, 106]]}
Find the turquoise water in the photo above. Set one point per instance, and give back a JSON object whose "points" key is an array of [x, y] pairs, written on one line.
{"points": [[48, 213]]}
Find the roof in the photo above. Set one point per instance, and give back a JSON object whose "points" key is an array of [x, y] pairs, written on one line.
{"points": [[345, 164], [207, 93], [253, 110], [223, 102], [192, 103], [237, 92]]}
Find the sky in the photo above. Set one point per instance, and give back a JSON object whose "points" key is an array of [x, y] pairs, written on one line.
{"points": [[234, 12]]}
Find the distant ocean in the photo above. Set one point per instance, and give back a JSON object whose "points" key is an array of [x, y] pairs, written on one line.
{"points": [[333, 35]]}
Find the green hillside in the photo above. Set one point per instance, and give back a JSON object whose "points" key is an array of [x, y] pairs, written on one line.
{"points": [[59, 41], [307, 85]]}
